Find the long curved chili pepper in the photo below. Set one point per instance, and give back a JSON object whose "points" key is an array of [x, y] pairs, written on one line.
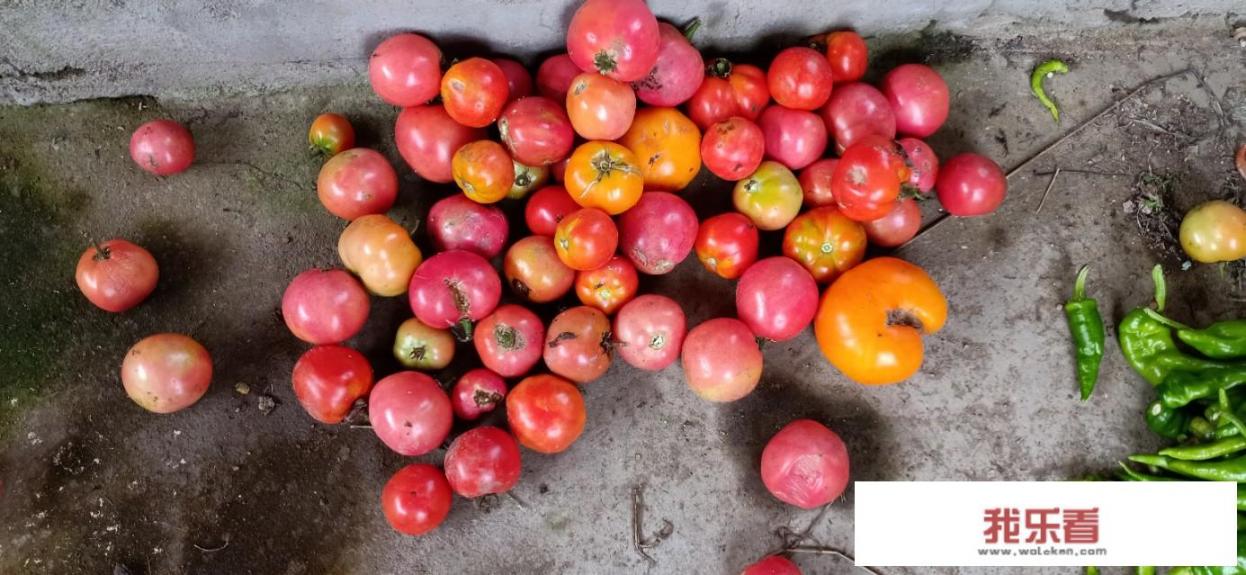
{"points": [[1086, 325], [1042, 72], [1130, 474], [1205, 451], [1223, 470]]}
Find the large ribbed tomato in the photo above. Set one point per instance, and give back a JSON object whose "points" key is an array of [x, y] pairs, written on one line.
{"points": [[825, 241]]}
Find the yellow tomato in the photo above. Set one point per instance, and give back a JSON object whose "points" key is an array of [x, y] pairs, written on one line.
{"points": [[668, 146], [380, 252], [1214, 231]]}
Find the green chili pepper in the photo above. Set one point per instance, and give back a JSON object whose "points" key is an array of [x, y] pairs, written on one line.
{"points": [[1241, 497], [1222, 470], [1042, 72], [1092, 571], [1130, 474], [1199, 381], [1204, 430], [1220, 340], [1166, 422], [1226, 413], [1145, 571], [1086, 325], [1205, 451]]}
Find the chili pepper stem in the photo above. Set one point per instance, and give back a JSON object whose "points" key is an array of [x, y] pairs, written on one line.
{"points": [[1079, 284], [1161, 287], [1157, 316], [1228, 414]]}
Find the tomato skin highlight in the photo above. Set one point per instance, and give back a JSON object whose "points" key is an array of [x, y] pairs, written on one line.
{"points": [[416, 499], [482, 461], [328, 379], [727, 244], [805, 464], [405, 70], [166, 372], [410, 413], [162, 147], [324, 306], [427, 138], [546, 413], [971, 185], [116, 275], [721, 360]]}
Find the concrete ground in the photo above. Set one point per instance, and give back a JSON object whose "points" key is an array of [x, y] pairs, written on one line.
{"points": [[91, 482]]}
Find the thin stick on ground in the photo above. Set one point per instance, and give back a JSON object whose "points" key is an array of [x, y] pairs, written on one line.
{"points": [[1050, 184], [639, 542], [220, 547], [830, 551]]}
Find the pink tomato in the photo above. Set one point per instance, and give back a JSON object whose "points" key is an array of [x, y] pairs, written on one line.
{"points": [[794, 138], [166, 372], [971, 185], [518, 80], [537, 131], [677, 73], [416, 499], [923, 162], [805, 464], [427, 138], [721, 360], [800, 78], [658, 232], [815, 183], [649, 332], [410, 413], [482, 461], [116, 275], [454, 289], [476, 393], [458, 223], [617, 38], [324, 306], [357, 182], [405, 70], [577, 344], [857, 110], [162, 147], [897, 227], [553, 78], [732, 149], [919, 98], [776, 298], [509, 341]]}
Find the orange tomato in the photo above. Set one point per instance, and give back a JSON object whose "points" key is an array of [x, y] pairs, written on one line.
{"points": [[484, 171], [825, 241], [380, 252], [871, 320], [604, 175], [608, 287], [668, 145], [600, 108], [330, 134], [586, 239]]}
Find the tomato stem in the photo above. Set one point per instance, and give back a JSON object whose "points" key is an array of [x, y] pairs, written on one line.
{"points": [[720, 67], [101, 253], [690, 29], [463, 329]]}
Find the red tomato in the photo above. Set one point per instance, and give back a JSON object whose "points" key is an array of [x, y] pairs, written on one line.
{"points": [[482, 461], [815, 183], [454, 289], [577, 344], [458, 223], [410, 413], [772, 565], [658, 232], [617, 38], [405, 70], [535, 272], [794, 138], [848, 55], [609, 286], [805, 464], [547, 207], [559, 170], [509, 341], [751, 88], [776, 298], [116, 275], [726, 244], [518, 80], [738, 90], [586, 239], [416, 499], [600, 108], [677, 73], [484, 171], [897, 227], [162, 147], [919, 98], [427, 139], [855, 111], [476, 393], [866, 181], [824, 241], [328, 379], [971, 185], [732, 149], [537, 131], [800, 78], [324, 306], [553, 78], [474, 91], [721, 360], [546, 413], [331, 134], [649, 332], [356, 183], [419, 346], [712, 103], [166, 372], [923, 162]]}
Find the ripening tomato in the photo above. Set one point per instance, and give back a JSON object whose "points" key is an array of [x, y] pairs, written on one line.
{"points": [[405, 70], [658, 232], [617, 38], [116, 275], [919, 98], [324, 306], [162, 147], [586, 239], [847, 54], [866, 181], [484, 171], [815, 183], [476, 393], [518, 80], [537, 131], [825, 242], [416, 499], [670, 144], [608, 287], [328, 379], [871, 320], [166, 372], [527, 178], [577, 344], [554, 76], [678, 71], [604, 175], [971, 185], [800, 78], [458, 223], [897, 227], [331, 134], [509, 341], [770, 197], [776, 298], [454, 289], [427, 138], [734, 90], [772, 565], [923, 162], [857, 110], [732, 149], [421, 346], [600, 108], [474, 91], [546, 413], [721, 360], [534, 271], [356, 183], [482, 461], [410, 413], [547, 207], [381, 252], [794, 138], [1213, 232], [805, 464], [727, 244], [649, 332]]}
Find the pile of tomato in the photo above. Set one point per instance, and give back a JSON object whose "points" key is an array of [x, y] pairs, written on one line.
{"points": [[598, 147]]}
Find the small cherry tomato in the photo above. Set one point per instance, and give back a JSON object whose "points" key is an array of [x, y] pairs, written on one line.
{"points": [[458, 223], [484, 171], [421, 346], [727, 244], [1213, 232], [410, 413], [116, 275], [482, 461], [547, 207], [815, 183], [554, 76], [919, 98], [331, 134], [658, 232], [825, 242], [166, 372], [324, 306], [474, 91], [770, 197], [923, 162], [793, 138], [676, 74], [534, 271], [776, 298], [329, 379], [577, 344], [670, 144], [509, 341], [600, 108], [800, 78], [427, 139], [721, 360], [162, 147], [805, 464], [649, 332], [476, 393], [971, 185], [604, 175], [847, 54], [381, 252], [586, 239], [866, 181], [416, 499], [617, 38], [454, 289], [772, 565], [537, 131], [405, 70], [855, 111], [733, 148], [527, 178], [897, 227], [518, 80], [608, 287], [356, 183], [546, 413]]}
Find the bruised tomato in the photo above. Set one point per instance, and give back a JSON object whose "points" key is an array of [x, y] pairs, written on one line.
{"points": [[794, 138], [482, 461], [166, 372], [546, 413], [721, 360], [617, 38], [534, 271], [331, 134], [669, 143], [474, 91], [458, 223], [427, 138], [410, 413], [825, 242], [776, 298], [658, 232], [923, 163], [770, 197], [586, 239], [815, 183], [381, 252], [476, 393], [509, 341], [800, 78], [547, 207], [805, 464], [484, 171], [356, 183], [733, 148], [405, 70], [554, 76], [848, 55], [855, 111], [607, 287], [600, 108], [454, 289], [649, 332], [416, 499], [537, 131], [678, 71], [116, 275], [162, 147], [577, 344], [604, 175], [897, 227], [727, 244], [328, 379]]}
